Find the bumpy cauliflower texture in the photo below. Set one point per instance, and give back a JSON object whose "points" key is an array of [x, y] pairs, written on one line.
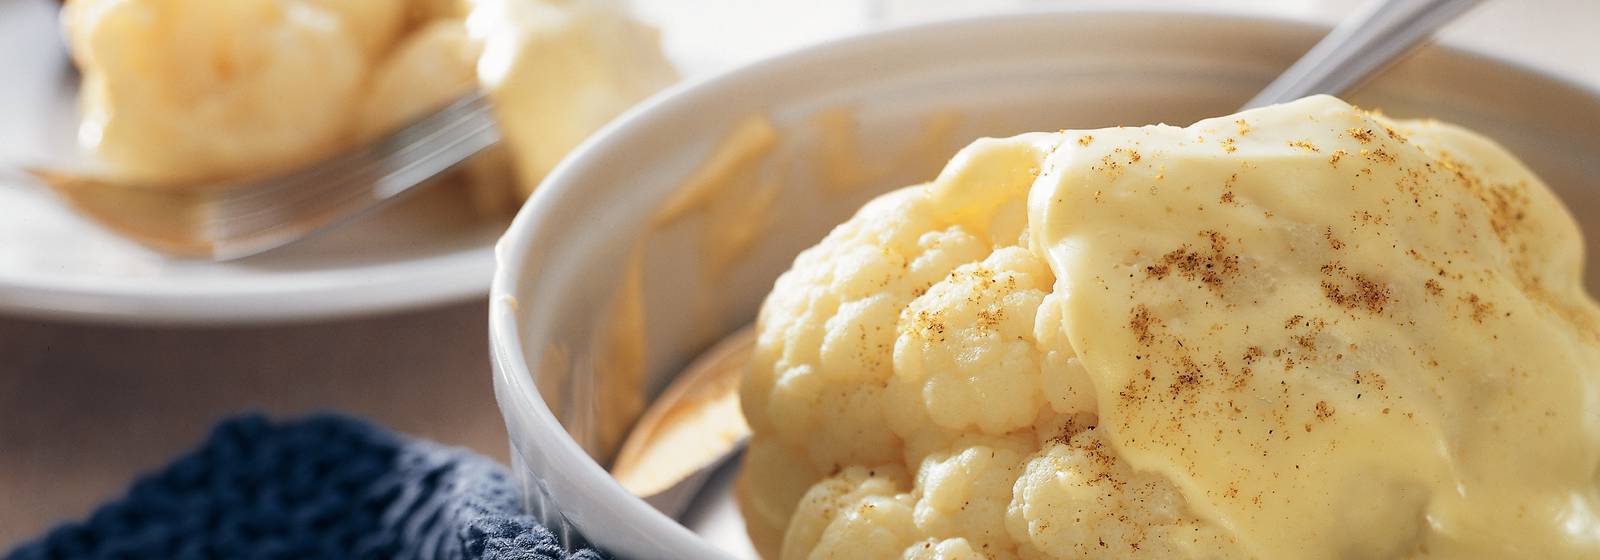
{"points": [[913, 396], [1303, 331]]}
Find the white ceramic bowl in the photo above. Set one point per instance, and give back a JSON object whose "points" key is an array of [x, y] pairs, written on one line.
{"points": [[594, 308]]}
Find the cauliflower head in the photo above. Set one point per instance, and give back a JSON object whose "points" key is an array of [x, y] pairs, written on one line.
{"points": [[912, 394], [1300, 331]]}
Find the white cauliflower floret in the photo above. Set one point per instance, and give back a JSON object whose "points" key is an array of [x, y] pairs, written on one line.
{"points": [[558, 70], [948, 549], [1062, 379], [922, 336], [856, 514], [822, 399], [969, 343], [190, 88], [964, 492], [1077, 496], [429, 68]]}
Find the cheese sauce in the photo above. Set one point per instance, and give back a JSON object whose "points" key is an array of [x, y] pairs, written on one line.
{"points": [[1340, 336]]}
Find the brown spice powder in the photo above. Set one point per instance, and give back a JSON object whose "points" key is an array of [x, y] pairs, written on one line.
{"points": [[1366, 293]]}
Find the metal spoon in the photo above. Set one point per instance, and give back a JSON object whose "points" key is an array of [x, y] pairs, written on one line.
{"points": [[1379, 33], [693, 427]]}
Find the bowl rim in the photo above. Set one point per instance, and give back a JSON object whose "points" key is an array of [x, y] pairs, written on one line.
{"points": [[512, 373]]}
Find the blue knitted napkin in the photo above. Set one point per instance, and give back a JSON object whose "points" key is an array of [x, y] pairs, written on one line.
{"points": [[323, 487]]}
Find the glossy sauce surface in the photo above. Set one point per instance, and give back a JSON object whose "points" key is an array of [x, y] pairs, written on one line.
{"points": [[1339, 335]]}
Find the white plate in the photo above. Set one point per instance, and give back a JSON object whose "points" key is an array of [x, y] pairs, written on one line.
{"points": [[428, 250]]}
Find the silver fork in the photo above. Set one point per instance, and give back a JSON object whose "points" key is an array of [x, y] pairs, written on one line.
{"points": [[235, 219]]}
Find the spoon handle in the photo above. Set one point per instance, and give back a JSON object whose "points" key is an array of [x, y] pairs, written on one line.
{"points": [[1362, 44]]}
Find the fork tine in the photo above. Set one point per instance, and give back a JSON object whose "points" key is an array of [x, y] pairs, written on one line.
{"points": [[348, 192], [418, 130], [241, 202], [241, 218], [348, 196]]}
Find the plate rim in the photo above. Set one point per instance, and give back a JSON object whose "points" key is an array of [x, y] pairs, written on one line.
{"points": [[202, 294], [328, 293]]}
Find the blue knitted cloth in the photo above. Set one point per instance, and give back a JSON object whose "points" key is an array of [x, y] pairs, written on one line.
{"points": [[323, 487]]}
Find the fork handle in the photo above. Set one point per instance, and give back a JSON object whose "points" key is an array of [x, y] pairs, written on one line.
{"points": [[1380, 32]]}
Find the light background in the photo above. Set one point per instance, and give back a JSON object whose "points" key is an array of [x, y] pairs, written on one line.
{"points": [[83, 409]]}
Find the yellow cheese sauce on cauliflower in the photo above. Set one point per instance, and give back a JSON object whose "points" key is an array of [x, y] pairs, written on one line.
{"points": [[1303, 331]]}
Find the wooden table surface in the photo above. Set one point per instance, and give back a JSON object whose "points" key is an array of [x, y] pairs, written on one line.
{"points": [[85, 408]]}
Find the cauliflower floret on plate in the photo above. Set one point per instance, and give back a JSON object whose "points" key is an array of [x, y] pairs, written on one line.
{"points": [[196, 88], [912, 394], [185, 92], [429, 68]]}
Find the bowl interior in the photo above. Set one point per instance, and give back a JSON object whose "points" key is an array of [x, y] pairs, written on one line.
{"points": [[609, 284]]}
